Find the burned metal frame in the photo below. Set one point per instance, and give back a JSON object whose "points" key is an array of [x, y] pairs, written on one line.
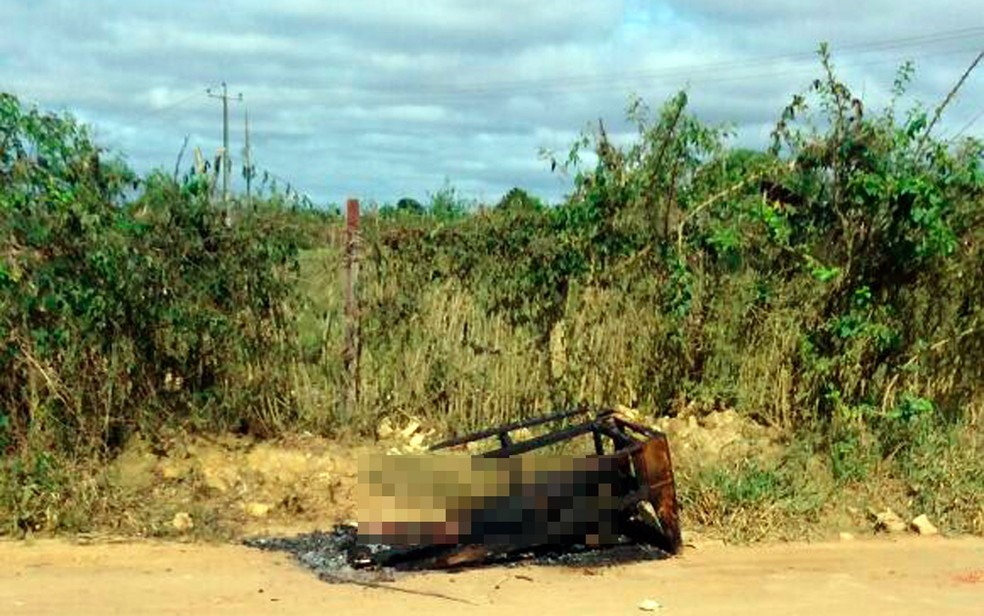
{"points": [[648, 509], [604, 423], [641, 451]]}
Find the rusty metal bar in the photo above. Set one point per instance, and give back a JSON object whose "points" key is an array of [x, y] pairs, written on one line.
{"points": [[512, 427], [599, 446], [543, 441]]}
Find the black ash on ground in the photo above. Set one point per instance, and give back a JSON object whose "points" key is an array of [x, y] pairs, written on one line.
{"points": [[336, 556]]}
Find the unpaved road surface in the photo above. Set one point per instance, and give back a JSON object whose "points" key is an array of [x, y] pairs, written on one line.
{"points": [[911, 575]]}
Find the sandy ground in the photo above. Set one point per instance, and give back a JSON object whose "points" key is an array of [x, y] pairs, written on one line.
{"points": [[909, 575]]}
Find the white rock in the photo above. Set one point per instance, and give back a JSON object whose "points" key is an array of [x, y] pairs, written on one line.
{"points": [[412, 427], [923, 526], [846, 537], [416, 441], [385, 429], [256, 510], [627, 412], [523, 434], [182, 521], [650, 605], [889, 521]]}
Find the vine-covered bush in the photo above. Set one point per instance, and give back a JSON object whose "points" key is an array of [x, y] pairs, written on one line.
{"points": [[127, 302], [833, 278]]}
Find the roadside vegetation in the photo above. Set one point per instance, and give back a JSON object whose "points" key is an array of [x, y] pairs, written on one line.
{"points": [[828, 288]]}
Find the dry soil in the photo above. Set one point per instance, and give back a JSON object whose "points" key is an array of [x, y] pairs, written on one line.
{"points": [[910, 575]]}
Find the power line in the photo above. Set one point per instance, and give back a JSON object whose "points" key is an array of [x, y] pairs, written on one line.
{"points": [[719, 72], [161, 111], [885, 45], [771, 73], [609, 78], [801, 70], [747, 76], [749, 73], [966, 126]]}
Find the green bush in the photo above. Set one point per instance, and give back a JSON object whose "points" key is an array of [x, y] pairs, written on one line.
{"points": [[121, 311], [835, 274]]}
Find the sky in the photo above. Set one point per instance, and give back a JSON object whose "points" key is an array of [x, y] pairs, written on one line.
{"points": [[379, 100]]}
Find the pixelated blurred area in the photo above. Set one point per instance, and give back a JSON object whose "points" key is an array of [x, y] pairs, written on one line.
{"points": [[466, 502], [498, 496], [443, 500]]}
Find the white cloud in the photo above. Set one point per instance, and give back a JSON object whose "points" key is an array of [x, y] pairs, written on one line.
{"points": [[385, 98]]}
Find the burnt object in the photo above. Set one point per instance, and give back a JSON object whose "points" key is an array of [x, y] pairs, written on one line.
{"points": [[336, 557], [625, 503]]}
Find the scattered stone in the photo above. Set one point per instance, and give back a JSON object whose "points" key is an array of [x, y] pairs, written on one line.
{"points": [[385, 429], [923, 526], [182, 522], [720, 437], [417, 441], [257, 510], [411, 428], [846, 537], [888, 521], [172, 470], [650, 605], [628, 412], [523, 434], [721, 419]]}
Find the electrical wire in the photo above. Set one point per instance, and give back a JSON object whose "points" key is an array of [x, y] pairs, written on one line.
{"points": [[336, 120], [612, 78], [602, 80], [749, 69], [966, 127], [155, 114]]}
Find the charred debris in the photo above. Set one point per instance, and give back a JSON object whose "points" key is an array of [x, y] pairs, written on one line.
{"points": [[638, 520]]}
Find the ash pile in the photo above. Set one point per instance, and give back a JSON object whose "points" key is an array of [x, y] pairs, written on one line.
{"points": [[503, 508], [338, 557]]}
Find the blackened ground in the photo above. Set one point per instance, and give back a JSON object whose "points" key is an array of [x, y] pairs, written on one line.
{"points": [[327, 554], [336, 556]]}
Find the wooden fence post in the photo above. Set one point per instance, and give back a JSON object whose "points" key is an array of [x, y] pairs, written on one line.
{"points": [[352, 325]]}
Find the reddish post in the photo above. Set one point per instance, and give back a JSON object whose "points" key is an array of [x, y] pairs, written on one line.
{"points": [[352, 343]]}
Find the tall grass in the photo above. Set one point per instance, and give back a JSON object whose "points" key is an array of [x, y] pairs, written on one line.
{"points": [[453, 363]]}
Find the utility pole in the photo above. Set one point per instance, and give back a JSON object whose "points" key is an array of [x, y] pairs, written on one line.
{"points": [[226, 162], [249, 164]]}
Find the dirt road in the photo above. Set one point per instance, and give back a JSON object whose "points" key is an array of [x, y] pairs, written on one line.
{"points": [[905, 576]]}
